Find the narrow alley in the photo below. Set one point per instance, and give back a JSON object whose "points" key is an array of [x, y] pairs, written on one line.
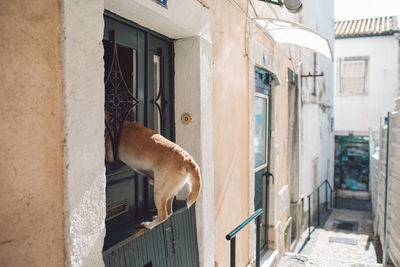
{"points": [[345, 238], [199, 133]]}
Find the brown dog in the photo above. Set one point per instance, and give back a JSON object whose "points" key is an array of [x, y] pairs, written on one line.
{"points": [[164, 162]]}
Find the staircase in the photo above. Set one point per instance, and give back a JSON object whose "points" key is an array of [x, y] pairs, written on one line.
{"points": [[294, 260], [344, 238]]}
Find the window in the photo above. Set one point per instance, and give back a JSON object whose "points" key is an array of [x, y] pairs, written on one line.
{"points": [[353, 76]]}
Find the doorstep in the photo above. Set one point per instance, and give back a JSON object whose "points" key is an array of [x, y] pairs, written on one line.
{"points": [[270, 258]]}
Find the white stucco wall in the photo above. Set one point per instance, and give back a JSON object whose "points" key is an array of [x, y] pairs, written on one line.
{"points": [[182, 18], [84, 191], [359, 113], [316, 134], [193, 95]]}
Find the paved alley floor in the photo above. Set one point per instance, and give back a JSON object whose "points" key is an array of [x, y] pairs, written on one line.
{"points": [[345, 240]]}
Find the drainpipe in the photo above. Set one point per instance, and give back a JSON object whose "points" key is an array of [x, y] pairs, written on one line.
{"points": [[397, 36], [385, 241], [314, 77]]}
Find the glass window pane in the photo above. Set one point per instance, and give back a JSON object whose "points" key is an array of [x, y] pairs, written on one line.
{"points": [[260, 110], [133, 113], [352, 85], [157, 105], [352, 76], [263, 81], [353, 69]]}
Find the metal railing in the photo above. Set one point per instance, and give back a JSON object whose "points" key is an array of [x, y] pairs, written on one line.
{"points": [[318, 202], [232, 237]]}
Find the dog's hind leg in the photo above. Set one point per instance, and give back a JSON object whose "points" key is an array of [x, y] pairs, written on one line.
{"points": [[162, 214], [170, 202], [162, 194]]}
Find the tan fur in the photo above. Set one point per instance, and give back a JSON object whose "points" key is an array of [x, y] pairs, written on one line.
{"points": [[161, 160]]}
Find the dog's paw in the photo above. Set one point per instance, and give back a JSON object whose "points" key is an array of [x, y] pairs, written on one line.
{"points": [[148, 225]]}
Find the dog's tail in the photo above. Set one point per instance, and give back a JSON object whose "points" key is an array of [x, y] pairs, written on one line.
{"points": [[194, 180]]}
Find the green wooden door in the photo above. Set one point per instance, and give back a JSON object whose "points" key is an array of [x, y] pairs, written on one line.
{"points": [[261, 149], [139, 87]]}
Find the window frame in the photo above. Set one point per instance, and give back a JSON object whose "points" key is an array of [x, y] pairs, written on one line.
{"points": [[364, 77]]}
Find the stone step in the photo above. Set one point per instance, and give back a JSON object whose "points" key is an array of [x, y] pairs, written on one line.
{"points": [[294, 260]]}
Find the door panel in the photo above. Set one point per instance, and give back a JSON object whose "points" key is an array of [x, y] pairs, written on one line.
{"points": [[261, 201], [262, 120]]}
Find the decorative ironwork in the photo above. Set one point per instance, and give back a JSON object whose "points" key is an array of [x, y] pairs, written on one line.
{"points": [[312, 75], [160, 102], [119, 99], [232, 237]]}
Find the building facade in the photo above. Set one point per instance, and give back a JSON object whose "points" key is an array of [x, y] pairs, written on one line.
{"points": [[206, 62], [367, 73], [316, 112], [367, 81]]}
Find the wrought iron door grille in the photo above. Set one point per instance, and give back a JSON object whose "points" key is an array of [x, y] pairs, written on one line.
{"points": [[119, 99]]}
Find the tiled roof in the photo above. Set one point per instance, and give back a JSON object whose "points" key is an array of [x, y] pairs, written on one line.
{"points": [[366, 27]]}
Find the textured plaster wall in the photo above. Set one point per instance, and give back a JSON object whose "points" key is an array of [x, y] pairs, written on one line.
{"points": [[231, 122], [258, 45], [278, 59], [316, 135], [280, 149], [193, 95], [31, 152], [83, 68], [359, 113], [234, 39]]}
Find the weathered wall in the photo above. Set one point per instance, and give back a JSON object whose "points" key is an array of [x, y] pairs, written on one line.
{"points": [[193, 95], [316, 136], [238, 46], [83, 66], [359, 113], [31, 152], [384, 197], [230, 105]]}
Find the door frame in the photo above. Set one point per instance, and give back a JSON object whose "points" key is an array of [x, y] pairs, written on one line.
{"points": [[136, 97], [267, 165]]}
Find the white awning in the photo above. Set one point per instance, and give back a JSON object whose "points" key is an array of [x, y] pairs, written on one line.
{"points": [[287, 32]]}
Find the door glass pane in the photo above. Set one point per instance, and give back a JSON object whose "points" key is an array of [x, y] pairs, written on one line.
{"points": [[260, 110], [263, 81], [157, 97], [133, 114]]}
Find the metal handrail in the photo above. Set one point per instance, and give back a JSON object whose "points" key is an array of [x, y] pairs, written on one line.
{"points": [[326, 182], [232, 237]]}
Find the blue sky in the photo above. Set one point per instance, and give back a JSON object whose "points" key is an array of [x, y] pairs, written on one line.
{"points": [[355, 9]]}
